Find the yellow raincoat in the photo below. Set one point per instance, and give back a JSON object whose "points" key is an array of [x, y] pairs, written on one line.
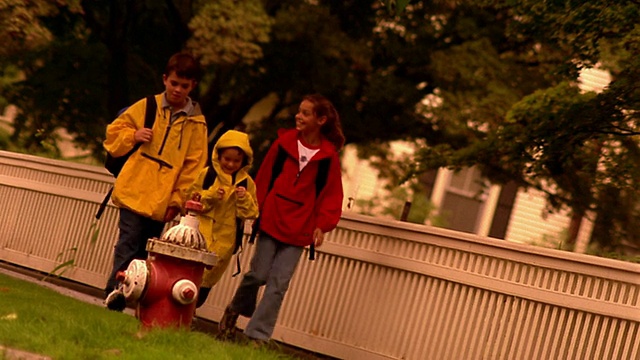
{"points": [[218, 218], [159, 174]]}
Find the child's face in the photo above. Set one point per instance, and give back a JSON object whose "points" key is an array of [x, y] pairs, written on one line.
{"points": [[306, 120], [231, 160], [177, 89]]}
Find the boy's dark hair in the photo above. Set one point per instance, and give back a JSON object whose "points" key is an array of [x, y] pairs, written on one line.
{"points": [[185, 65]]}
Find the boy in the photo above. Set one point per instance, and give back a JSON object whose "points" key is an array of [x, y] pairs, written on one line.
{"points": [[152, 185], [229, 196]]}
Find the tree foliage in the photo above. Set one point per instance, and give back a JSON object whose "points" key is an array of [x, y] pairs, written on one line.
{"points": [[229, 32], [581, 149], [21, 28], [491, 83]]}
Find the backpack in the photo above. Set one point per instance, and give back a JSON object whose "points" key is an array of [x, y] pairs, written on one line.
{"points": [[114, 164], [321, 181], [209, 179]]}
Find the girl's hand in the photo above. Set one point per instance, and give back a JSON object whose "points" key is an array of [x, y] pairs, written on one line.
{"points": [[220, 193], [318, 237], [241, 191]]}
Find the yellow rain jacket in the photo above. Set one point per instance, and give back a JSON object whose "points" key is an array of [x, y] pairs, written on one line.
{"points": [[159, 174], [218, 218]]}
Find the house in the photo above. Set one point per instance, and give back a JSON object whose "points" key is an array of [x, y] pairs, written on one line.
{"points": [[464, 201]]}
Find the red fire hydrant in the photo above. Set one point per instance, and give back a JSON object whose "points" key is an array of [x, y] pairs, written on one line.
{"points": [[165, 286]]}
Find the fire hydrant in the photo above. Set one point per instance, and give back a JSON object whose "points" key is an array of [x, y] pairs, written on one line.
{"points": [[164, 287]]}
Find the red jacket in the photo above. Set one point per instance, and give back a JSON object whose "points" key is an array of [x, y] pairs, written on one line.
{"points": [[290, 211]]}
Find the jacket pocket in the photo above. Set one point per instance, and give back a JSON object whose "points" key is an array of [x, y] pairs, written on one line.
{"points": [[286, 199], [292, 216]]}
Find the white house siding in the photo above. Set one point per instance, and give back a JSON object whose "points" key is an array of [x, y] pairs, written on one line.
{"points": [[529, 222], [360, 181], [594, 80]]}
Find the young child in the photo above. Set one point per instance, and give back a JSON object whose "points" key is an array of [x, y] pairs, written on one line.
{"points": [[292, 216], [224, 200]]}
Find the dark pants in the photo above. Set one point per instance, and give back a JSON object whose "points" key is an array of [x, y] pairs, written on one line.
{"points": [[135, 230]]}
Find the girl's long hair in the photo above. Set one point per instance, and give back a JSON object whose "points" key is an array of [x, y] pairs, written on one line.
{"points": [[332, 128]]}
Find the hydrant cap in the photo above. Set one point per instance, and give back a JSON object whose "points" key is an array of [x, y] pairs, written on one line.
{"points": [[192, 205]]}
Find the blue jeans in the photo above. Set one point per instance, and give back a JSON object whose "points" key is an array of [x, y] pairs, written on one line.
{"points": [[135, 230], [273, 265]]}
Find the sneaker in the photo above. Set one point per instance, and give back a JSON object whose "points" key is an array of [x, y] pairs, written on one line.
{"points": [[116, 301], [264, 344], [259, 344], [227, 325]]}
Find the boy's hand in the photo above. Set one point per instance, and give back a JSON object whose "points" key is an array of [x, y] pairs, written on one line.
{"points": [[171, 213], [143, 135], [241, 191], [318, 237]]}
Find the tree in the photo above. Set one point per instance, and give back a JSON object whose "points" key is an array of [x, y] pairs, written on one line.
{"points": [[490, 83], [79, 78], [581, 149]]}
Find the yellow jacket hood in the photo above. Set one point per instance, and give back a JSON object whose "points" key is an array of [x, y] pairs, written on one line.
{"points": [[233, 138]]}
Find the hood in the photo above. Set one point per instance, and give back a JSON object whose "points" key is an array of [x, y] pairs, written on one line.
{"points": [[288, 139], [233, 138]]}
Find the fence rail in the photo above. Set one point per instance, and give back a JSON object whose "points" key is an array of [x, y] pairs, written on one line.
{"points": [[378, 290]]}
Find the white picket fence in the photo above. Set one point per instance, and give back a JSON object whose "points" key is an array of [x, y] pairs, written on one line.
{"points": [[378, 290]]}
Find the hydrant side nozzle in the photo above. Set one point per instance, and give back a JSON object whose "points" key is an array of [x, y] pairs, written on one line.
{"points": [[184, 291]]}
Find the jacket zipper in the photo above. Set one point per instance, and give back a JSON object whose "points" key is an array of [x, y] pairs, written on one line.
{"points": [[295, 182], [166, 134]]}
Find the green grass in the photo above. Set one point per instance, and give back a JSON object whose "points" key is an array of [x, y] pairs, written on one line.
{"points": [[42, 321]]}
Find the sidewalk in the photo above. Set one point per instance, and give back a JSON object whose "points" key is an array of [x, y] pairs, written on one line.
{"points": [[65, 287], [13, 354]]}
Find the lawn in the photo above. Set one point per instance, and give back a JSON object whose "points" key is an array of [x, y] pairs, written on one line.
{"points": [[42, 321]]}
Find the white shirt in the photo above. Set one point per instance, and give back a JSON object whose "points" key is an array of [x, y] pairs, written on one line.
{"points": [[305, 154]]}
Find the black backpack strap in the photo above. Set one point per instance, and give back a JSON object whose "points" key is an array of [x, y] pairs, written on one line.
{"points": [[103, 204], [321, 181], [149, 120], [278, 164], [254, 230], [239, 223], [323, 174], [237, 249], [150, 112], [209, 178]]}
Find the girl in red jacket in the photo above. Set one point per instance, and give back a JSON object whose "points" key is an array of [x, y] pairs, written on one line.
{"points": [[292, 215]]}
